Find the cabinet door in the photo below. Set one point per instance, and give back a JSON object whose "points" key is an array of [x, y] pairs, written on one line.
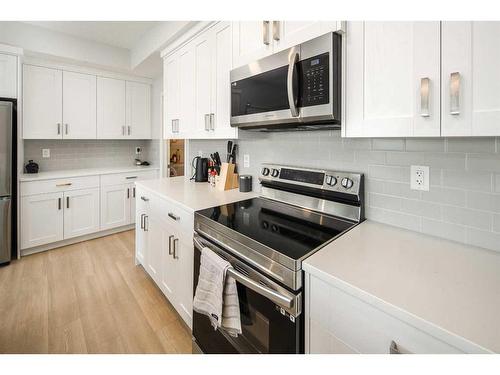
{"points": [[184, 257], [203, 76], [187, 89], [110, 108], [141, 236], [170, 270], [392, 79], [79, 106], [42, 103], [155, 232], [221, 83], [471, 78], [287, 34], [171, 101], [132, 193], [81, 212], [138, 116], [8, 76], [41, 219], [115, 206], [252, 40]]}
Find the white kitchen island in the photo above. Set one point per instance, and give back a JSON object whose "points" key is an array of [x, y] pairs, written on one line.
{"points": [[381, 289]]}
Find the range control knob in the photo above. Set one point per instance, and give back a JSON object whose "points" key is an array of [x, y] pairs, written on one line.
{"points": [[275, 173], [265, 171], [347, 183], [331, 180]]}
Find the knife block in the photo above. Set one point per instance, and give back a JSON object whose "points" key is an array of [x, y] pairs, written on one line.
{"points": [[226, 179]]}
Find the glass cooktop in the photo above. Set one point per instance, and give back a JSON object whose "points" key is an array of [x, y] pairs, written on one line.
{"points": [[290, 230]]}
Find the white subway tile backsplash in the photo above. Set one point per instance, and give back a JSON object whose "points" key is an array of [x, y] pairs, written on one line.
{"points": [[467, 180], [445, 230], [468, 217], [483, 145], [482, 238], [483, 201], [462, 204], [425, 144], [388, 144]]}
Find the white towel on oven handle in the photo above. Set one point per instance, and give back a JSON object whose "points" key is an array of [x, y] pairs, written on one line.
{"points": [[216, 295]]}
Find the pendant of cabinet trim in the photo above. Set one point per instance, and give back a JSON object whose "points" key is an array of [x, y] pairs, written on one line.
{"points": [[422, 79]]}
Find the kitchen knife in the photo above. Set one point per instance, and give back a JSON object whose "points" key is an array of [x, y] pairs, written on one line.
{"points": [[229, 150], [232, 157]]}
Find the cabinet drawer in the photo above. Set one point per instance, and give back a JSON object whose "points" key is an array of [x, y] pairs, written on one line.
{"points": [[179, 219], [124, 178], [363, 327], [59, 185]]}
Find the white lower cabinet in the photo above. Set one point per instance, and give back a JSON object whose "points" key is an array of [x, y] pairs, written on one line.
{"points": [[115, 206], [61, 209], [164, 247], [81, 212], [338, 323], [41, 219]]}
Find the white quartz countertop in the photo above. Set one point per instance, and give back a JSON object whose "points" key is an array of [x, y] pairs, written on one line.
{"points": [[435, 284], [193, 196], [82, 172]]}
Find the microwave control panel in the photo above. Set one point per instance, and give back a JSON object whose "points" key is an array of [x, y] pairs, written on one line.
{"points": [[315, 81]]}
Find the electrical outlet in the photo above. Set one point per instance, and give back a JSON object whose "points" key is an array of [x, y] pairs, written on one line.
{"points": [[419, 177], [200, 153], [246, 161], [45, 152], [138, 150]]}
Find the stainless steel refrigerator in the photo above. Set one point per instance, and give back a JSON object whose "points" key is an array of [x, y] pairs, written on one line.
{"points": [[7, 178]]}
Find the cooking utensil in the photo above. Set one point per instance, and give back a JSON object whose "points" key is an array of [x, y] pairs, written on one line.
{"points": [[229, 150], [232, 157]]}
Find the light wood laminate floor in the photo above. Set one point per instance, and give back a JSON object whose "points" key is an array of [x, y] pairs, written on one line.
{"points": [[86, 298]]}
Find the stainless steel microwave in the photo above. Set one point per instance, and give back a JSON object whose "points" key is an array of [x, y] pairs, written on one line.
{"points": [[299, 87]]}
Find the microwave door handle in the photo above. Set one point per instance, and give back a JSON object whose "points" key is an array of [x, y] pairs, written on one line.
{"points": [[294, 59], [285, 301]]}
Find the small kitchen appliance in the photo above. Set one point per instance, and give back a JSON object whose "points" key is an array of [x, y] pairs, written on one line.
{"points": [[200, 169], [266, 239]]}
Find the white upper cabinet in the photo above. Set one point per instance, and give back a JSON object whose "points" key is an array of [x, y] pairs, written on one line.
{"points": [[251, 41], [392, 79], [8, 76], [471, 78], [171, 100], [42, 103], [111, 123], [203, 47], [79, 106], [286, 34], [138, 105]]}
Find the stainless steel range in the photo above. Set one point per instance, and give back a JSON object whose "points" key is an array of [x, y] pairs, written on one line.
{"points": [[266, 239]]}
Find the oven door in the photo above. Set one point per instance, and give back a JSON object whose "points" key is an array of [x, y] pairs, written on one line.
{"points": [[266, 91], [271, 319]]}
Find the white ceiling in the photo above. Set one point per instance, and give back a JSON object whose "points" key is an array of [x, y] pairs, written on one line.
{"points": [[124, 34]]}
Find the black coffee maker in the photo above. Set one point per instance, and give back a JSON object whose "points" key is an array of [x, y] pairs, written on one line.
{"points": [[200, 166]]}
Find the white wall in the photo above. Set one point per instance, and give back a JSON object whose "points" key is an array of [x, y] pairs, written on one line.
{"points": [[38, 40]]}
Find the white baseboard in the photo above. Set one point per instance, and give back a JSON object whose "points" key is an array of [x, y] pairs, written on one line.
{"points": [[54, 245]]}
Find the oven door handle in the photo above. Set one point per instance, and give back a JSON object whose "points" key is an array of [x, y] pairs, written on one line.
{"points": [[278, 298], [294, 59]]}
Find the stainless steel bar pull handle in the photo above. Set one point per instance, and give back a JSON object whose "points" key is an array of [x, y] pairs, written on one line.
{"points": [[455, 93], [176, 241], [128, 127], [265, 32], [425, 88], [133, 192], [172, 216], [65, 184], [145, 199], [67, 202], [170, 244], [59, 203], [276, 30], [173, 126], [66, 129], [142, 221], [212, 121], [291, 96], [130, 177], [128, 193], [146, 222], [207, 122], [58, 129]]}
